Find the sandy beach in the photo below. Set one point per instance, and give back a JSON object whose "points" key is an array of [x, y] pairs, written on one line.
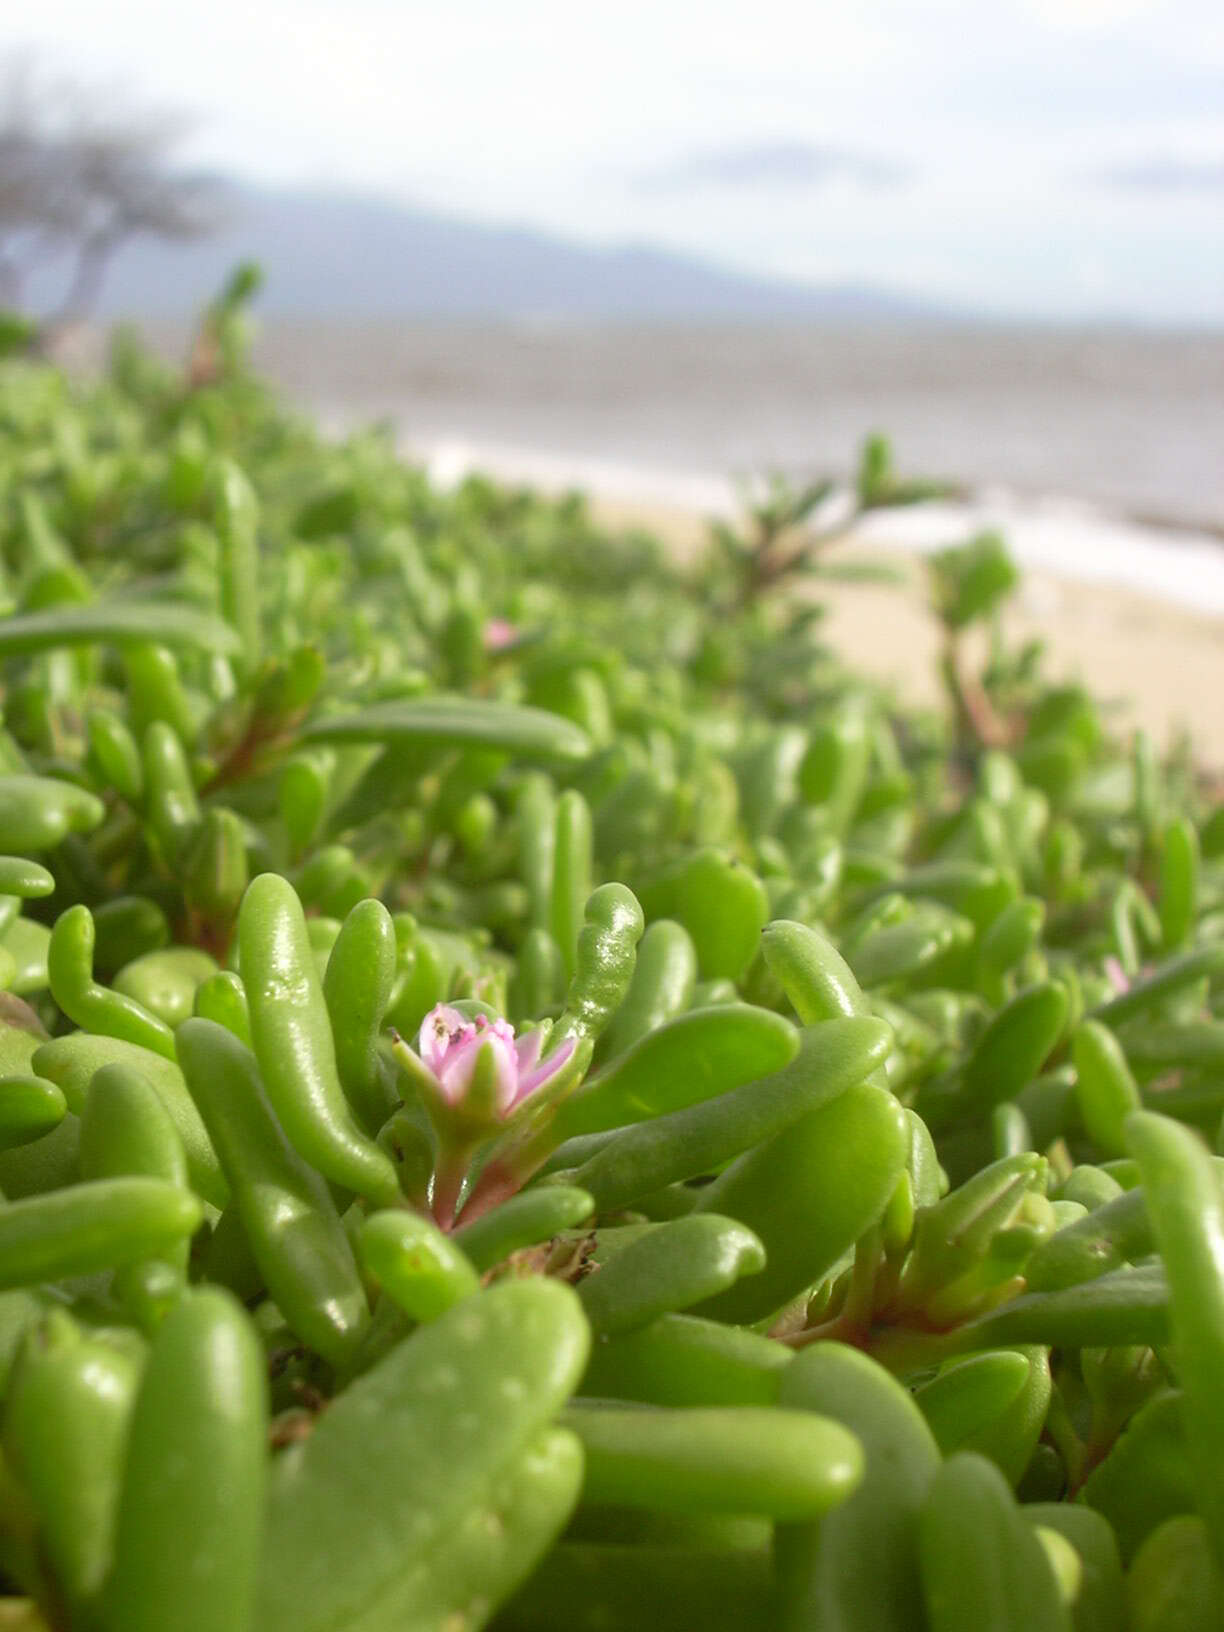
{"points": [[1160, 661]]}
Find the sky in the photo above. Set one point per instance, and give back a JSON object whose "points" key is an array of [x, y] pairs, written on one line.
{"points": [[1057, 159]]}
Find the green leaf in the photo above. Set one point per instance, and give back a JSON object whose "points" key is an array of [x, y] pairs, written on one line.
{"points": [[1128, 1306], [452, 722], [117, 623], [692, 1058], [363, 1515]]}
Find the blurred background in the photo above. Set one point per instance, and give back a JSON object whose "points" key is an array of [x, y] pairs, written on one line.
{"points": [[660, 250]]}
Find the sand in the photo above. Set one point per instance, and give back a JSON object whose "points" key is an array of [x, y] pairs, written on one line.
{"points": [[1161, 662]]}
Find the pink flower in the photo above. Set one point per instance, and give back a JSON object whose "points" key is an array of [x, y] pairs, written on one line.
{"points": [[498, 634], [450, 1047], [1116, 975]]}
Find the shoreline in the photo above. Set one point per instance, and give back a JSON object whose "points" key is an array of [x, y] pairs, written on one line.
{"points": [[1076, 539], [1135, 613], [1132, 603], [1160, 664]]}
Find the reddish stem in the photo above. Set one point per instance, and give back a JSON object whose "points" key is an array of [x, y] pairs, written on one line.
{"points": [[446, 1188], [496, 1184]]}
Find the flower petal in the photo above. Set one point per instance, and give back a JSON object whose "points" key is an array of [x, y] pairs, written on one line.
{"points": [[440, 1029], [546, 1070], [527, 1049]]}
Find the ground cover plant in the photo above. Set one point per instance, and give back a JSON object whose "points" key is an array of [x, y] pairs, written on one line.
{"points": [[532, 1096]]}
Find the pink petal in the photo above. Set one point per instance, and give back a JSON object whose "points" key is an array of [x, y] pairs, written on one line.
{"points": [[1116, 974], [543, 1072], [440, 1029], [503, 1030], [527, 1048], [454, 1070], [498, 634]]}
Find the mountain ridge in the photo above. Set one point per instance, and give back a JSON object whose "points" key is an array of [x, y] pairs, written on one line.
{"points": [[333, 254]]}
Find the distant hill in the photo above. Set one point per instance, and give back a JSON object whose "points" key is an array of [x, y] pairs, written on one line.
{"points": [[337, 255]]}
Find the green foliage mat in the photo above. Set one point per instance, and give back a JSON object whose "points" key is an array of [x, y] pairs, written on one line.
{"points": [[532, 1096]]}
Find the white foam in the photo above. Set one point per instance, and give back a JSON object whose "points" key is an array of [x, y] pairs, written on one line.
{"points": [[450, 459]]}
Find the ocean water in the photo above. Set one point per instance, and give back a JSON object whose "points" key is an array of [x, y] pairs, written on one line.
{"points": [[1132, 422]]}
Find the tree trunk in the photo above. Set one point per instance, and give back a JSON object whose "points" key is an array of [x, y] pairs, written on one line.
{"points": [[82, 293]]}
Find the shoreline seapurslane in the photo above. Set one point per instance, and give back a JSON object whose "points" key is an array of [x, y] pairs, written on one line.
{"points": [[537, 1096], [1162, 662], [1134, 611]]}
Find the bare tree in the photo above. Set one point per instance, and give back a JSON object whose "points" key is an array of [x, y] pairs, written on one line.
{"points": [[81, 175]]}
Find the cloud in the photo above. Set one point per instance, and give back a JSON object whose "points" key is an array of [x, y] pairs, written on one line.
{"points": [[1085, 15], [1165, 175], [797, 165]]}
